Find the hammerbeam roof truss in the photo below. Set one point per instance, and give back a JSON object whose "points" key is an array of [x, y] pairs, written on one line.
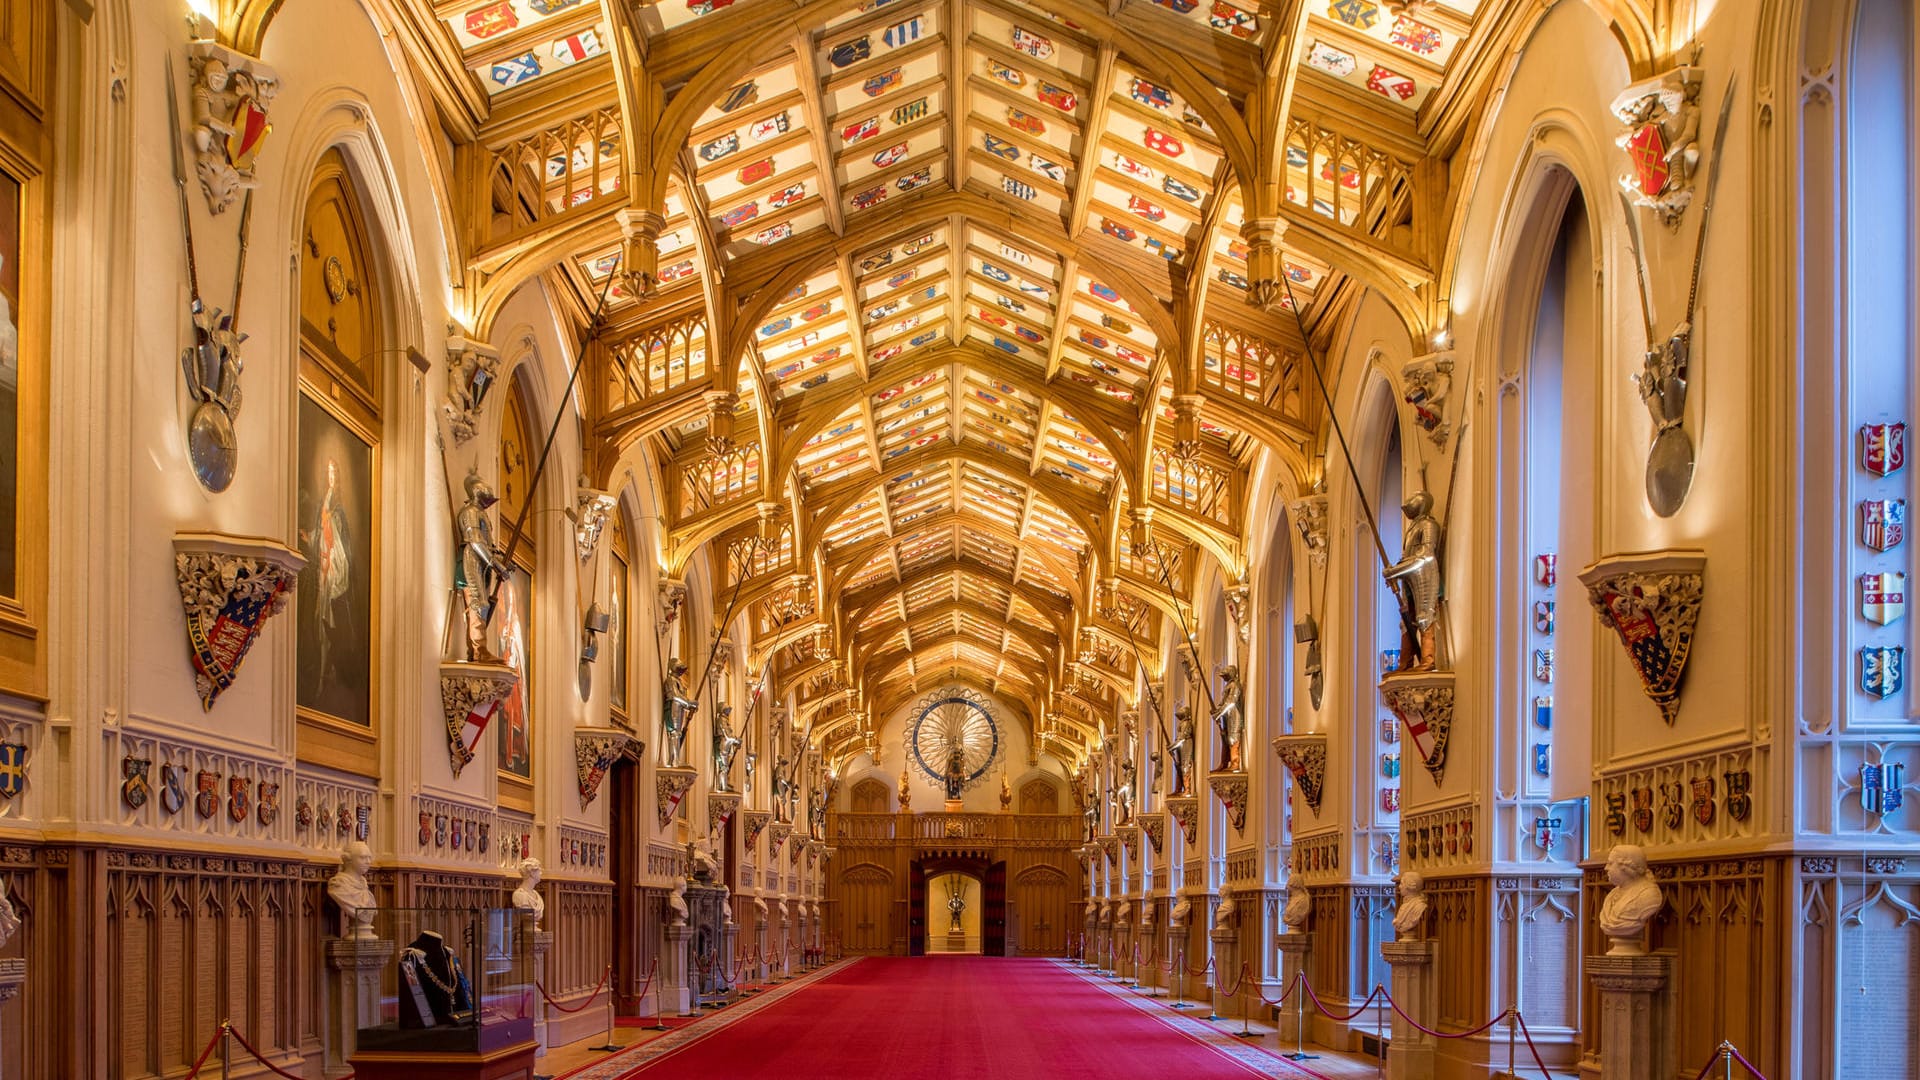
{"points": [[916, 302]]}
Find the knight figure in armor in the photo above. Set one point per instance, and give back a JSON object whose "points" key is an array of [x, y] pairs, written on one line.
{"points": [[725, 745], [676, 713], [1416, 580], [1182, 750], [478, 562], [956, 776], [1231, 719]]}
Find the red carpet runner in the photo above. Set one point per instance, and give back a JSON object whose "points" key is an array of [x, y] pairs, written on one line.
{"points": [[952, 1018]]}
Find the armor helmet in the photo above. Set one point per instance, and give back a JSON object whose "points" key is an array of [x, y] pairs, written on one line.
{"points": [[478, 491], [1417, 504]]}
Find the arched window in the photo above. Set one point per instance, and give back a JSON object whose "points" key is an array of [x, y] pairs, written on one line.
{"points": [[1387, 760], [337, 478], [513, 616]]}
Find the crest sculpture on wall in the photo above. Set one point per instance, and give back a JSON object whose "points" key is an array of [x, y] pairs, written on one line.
{"points": [[1231, 790], [670, 786], [594, 752], [230, 98], [1424, 703], [1652, 601], [472, 367], [1305, 756], [229, 587], [1660, 134], [469, 695]]}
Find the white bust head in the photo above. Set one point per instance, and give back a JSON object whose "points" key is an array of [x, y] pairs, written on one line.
{"points": [[527, 897], [1632, 903], [1410, 919], [1299, 908], [350, 891]]}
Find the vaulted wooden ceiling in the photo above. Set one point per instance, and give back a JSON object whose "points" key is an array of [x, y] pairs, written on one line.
{"points": [[935, 309]]}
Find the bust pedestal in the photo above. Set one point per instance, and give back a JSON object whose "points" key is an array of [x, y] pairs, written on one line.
{"points": [[353, 996], [1226, 970], [674, 988], [1411, 1055], [542, 942], [1293, 961], [1636, 1016]]}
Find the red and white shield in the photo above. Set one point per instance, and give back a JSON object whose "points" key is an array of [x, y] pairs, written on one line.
{"points": [[249, 131], [1647, 152], [1883, 448], [1883, 597]]}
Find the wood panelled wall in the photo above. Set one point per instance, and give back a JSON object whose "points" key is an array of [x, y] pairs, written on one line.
{"points": [[170, 943], [868, 880]]}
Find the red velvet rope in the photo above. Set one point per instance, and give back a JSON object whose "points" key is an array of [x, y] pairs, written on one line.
{"points": [[248, 1047], [1202, 971], [1534, 1050], [207, 1053], [1324, 1011], [1727, 1050], [552, 1004], [645, 985], [1284, 995], [1418, 1026]]}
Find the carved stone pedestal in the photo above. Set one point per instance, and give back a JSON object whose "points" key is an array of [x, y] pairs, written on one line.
{"points": [[1636, 1016], [1293, 960], [676, 990], [542, 943], [353, 997], [1411, 1055], [1226, 969]]}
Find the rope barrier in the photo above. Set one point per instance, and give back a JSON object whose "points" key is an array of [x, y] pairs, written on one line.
{"points": [[1328, 1013], [1723, 1054], [591, 998], [1202, 971], [1418, 1026], [229, 1029], [1532, 1049], [208, 1052], [645, 985]]}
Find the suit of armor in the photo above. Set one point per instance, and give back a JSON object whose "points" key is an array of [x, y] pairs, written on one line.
{"points": [[725, 745], [1418, 577], [479, 563], [1231, 719]]}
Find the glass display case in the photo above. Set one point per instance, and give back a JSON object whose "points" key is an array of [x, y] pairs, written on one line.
{"points": [[460, 981]]}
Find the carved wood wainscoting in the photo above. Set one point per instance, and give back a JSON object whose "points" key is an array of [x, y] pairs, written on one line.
{"points": [[1350, 922], [1729, 924], [1460, 921], [869, 882], [1855, 937], [580, 916], [47, 890], [1537, 935]]}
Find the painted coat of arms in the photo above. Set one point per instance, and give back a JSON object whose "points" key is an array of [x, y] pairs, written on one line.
{"points": [[1661, 117]]}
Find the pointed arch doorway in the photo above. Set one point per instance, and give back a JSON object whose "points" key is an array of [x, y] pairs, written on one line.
{"points": [[930, 922]]}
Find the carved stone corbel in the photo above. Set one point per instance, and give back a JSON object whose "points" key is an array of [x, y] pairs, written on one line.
{"points": [[1305, 756], [1231, 790], [1186, 425], [1423, 700], [592, 510], [468, 694], [752, 821], [1129, 838], [594, 752], [720, 807], [1236, 598], [229, 587], [1154, 827], [1429, 381], [1185, 810], [472, 367], [776, 836], [1652, 601], [1310, 518], [673, 594], [1111, 846], [229, 99], [671, 784]]}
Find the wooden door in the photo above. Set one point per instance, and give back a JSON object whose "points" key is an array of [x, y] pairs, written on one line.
{"points": [[993, 924], [917, 911], [623, 842]]}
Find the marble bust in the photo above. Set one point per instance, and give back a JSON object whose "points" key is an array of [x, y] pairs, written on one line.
{"points": [[677, 903], [349, 890], [1409, 921], [1182, 908], [1299, 909], [1633, 902], [527, 896], [1229, 907]]}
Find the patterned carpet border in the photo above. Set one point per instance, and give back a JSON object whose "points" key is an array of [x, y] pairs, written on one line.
{"points": [[621, 1062], [1255, 1058]]}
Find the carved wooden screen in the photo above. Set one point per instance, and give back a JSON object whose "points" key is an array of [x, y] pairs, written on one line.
{"points": [[871, 797], [1039, 797]]}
